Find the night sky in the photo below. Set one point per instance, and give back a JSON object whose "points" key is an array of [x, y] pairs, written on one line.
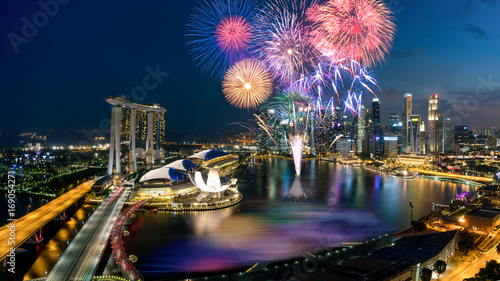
{"points": [[90, 50]]}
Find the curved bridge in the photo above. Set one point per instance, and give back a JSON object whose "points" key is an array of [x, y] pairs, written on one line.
{"points": [[468, 182], [478, 180]]}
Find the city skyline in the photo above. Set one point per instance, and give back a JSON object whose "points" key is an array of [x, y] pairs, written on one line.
{"points": [[71, 57]]}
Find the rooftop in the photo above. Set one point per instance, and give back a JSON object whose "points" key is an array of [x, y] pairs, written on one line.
{"points": [[419, 248], [484, 212]]}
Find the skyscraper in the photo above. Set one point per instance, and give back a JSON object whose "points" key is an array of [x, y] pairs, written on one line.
{"points": [[394, 125], [439, 134], [361, 130], [434, 141], [414, 129], [423, 138], [406, 120], [447, 136], [376, 111]]}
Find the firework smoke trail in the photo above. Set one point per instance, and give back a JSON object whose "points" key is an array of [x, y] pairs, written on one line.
{"points": [[247, 84], [296, 145], [222, 33], [358, 29], [264, 125]]}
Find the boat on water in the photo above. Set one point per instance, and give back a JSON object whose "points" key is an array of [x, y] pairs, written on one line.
{"points": [[154, 211], [356, 164], [409, 175]]}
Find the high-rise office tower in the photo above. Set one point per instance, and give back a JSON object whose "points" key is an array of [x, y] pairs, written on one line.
{"points": [[414, 129], [462, 135], [394, 126], [361, 129], [377, 134], [393, 118], [376, 111], [406, 120], [423, 138], [433, 118], [439, 134], [447, 136]]}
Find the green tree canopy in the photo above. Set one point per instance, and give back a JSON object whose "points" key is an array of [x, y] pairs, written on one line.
{"points": [[440, 267], [426, 274]]}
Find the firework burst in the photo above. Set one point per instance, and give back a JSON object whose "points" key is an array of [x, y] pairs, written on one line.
{"points": [[357, 29], [222, 32], [287, 52], [247, 84]]}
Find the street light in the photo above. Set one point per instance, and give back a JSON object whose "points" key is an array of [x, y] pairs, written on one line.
{"points": [[411, 214], [28, 209]]}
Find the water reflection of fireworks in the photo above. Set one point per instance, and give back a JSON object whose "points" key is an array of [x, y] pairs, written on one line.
{"points": [[297, 191]]}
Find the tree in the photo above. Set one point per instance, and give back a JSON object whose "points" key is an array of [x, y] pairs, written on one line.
{"points": [[426, 274], [439, 267], [466, 243], [418, 226], [490, 272]]}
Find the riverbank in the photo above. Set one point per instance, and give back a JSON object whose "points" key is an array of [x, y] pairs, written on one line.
{"points": [[189, 204]]}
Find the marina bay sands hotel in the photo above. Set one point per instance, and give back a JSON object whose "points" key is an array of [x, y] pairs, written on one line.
{"points": [[134, 123]]}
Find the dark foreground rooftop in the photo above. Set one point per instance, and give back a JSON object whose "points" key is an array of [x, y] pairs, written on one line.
{"points": [[420, 248]]}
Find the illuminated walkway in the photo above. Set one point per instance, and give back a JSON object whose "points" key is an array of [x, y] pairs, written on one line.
{"points": [[454, 176], [122, 259], [81, 258], [28, 225]]}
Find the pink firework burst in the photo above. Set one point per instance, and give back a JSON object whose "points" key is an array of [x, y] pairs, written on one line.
{"points": [[357, 29], [233, 34]]}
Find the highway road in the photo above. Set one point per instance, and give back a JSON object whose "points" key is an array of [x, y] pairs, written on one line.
{"points": [[27, 225], [82, 256], [460, 267]]}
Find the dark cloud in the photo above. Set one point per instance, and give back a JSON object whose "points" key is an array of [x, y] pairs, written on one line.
{"points": [[402, 55], [476, 31]]}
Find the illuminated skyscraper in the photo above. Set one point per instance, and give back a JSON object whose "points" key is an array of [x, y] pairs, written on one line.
{"points": [[395, 124], [434, 141], [406, 120], [376, 111], [362, 126], [423, 138], [414, 129], [439, 134]]}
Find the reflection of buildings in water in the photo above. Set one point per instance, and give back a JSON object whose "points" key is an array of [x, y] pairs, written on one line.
{"points": [[208, 221], [296, 191]]}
